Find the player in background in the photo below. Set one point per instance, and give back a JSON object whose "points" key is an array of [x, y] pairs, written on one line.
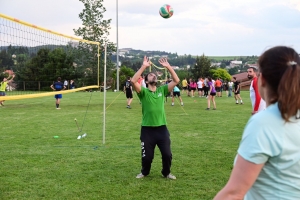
{"points": [[258, 103], [58, 86]]}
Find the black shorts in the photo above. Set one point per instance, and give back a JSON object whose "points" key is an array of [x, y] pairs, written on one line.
{"points": [[176, 94], [129, 95], [184, 88], [238, 92], [218, 89], [193, 89], [212, 94], [200, 89]]}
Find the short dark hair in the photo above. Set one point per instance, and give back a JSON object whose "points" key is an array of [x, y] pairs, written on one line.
{"points": [[234, 78], [58, 79], [253, 67]]}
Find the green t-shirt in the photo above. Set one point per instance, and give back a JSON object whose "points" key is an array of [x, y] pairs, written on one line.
{"points": [[153, 109], [3, 86]]}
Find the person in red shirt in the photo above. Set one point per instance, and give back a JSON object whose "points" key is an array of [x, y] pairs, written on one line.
{"points": [[218, 85]]}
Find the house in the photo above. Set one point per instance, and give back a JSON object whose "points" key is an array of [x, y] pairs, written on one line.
{"points": [[235, 63], [215, 64]]}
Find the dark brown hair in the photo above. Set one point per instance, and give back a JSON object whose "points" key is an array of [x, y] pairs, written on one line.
{"points": [[280, 67]]}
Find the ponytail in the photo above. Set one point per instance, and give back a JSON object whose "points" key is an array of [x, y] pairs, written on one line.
{"points": [[289, 91]]}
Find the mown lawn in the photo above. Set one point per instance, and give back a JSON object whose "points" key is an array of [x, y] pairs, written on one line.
{"points": [[35, 165]]}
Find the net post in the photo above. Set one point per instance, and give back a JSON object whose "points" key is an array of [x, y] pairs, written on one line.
{"points": [[104, 96]]}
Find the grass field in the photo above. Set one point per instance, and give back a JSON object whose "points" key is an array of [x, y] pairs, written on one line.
{"points": [[35, 165]]}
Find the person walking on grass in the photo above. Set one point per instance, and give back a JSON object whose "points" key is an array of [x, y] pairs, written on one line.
{"points": [[258, 104], [236, 90], [127, 89], [58, 86], [268, 160], [3, 85], [154, 130], [212, 94], [176, 92]]}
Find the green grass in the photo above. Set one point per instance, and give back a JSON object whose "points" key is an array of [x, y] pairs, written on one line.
{"points": [[34, 165]]}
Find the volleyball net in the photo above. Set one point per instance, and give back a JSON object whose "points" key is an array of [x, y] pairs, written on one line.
{"points": [[161, 72], [38, 56]]}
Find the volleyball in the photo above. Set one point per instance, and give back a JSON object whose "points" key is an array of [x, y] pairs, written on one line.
{"points": [[166, 11]]}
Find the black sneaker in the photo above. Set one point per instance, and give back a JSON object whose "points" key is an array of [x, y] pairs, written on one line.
{"points": [[207, 109]]}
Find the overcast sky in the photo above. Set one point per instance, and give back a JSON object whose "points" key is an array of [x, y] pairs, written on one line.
{"points": [[212, 27]]}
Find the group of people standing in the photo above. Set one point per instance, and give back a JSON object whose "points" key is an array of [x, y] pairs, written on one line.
{"points": [[268, 158]]}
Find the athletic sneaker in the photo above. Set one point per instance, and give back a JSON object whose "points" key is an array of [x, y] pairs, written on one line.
{"points": [[57, 108], [214, 109], [140, 176], [129, 107], [172, 104], [241, 103], [182, 103], [170, 176], [207, 109]]}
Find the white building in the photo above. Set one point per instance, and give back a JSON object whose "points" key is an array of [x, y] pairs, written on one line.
{"points": [[235, 63]]}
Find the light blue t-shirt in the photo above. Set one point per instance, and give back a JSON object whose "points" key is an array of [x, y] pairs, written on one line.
{"points": [[268, 139], [176, 89]]}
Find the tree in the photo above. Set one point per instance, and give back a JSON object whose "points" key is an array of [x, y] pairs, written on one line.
{"points": [[94, 29], [220, 73], [233, 70], [124, 73], [201, 68]]}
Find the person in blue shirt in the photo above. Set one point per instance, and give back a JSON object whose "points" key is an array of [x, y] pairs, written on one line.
{"points": [[176, 92], [268, 160], [58, 86]]}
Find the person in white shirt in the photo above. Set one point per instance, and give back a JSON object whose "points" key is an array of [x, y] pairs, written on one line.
{"points": [[200, 87], [66, 84], [230, 84]]}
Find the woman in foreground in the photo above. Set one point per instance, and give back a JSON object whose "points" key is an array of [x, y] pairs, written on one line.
{"points": [[267, 165]]}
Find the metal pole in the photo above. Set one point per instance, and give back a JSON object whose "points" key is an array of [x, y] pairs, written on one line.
{"points": [[117, 50], [104, 96]]}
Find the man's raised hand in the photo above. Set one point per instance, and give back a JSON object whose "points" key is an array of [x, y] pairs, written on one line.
{"points": [[164, 62], [146, 61]]}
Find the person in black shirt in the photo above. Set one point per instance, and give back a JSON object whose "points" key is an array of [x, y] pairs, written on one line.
{"points": [[128, 91], [236, 91]]}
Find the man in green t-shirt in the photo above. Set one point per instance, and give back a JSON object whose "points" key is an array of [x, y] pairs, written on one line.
{"points": [[3, 85], [154, 130]]}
